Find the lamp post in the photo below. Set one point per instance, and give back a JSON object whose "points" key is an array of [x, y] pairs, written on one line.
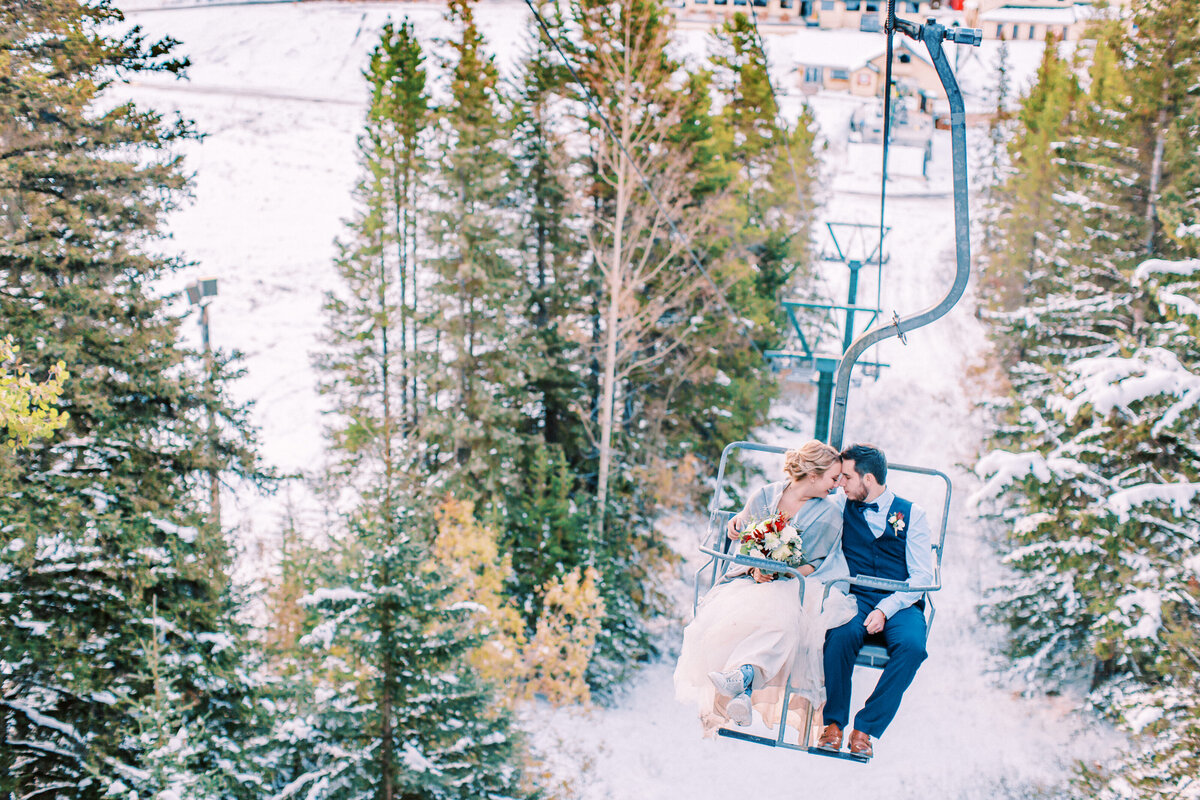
{"points": [[200, 293]]}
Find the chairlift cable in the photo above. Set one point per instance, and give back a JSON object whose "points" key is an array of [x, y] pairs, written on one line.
{"points": [[591, 101], [890, 29]]}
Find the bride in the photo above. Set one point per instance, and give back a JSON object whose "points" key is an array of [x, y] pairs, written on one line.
{"points": [[751, 630]]}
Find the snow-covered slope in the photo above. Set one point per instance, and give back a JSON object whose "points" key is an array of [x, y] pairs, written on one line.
{"points": [[277, 88]]}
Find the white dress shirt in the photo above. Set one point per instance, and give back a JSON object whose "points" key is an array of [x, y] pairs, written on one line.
{"points": [[918, 550]]}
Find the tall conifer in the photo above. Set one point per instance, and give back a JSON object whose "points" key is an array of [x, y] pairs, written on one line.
{"points": [[472, 424], [116, 599], [1096, 459]]}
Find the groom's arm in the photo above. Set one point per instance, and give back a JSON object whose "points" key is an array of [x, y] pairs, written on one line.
{"points": [[919, 556]]}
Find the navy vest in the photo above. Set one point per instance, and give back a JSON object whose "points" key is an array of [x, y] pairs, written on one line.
{"points": [[884, 557]]}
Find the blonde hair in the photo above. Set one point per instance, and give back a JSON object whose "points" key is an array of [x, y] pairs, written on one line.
{"points": [[811, 458]]}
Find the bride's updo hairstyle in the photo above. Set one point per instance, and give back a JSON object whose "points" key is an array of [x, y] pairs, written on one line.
{"points": [[811, 458]]}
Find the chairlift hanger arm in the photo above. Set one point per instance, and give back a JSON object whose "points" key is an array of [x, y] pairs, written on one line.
{"points": [[932, 34]]}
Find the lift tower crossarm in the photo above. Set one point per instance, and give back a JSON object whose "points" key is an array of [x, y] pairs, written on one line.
{"points": [[932, 34]]}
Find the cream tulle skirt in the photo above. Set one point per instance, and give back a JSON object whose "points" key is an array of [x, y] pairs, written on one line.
{"points": [[764, 625]]}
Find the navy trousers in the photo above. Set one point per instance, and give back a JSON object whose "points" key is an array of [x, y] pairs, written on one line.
{"points": [[904, 638]]}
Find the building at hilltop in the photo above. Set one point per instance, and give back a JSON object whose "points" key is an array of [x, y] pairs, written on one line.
{"points": [[1030, 19], [854, 63], [1008, 19], [865, 15]]}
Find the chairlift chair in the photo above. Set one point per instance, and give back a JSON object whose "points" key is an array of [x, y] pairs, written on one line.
{"points": [[717, 546]]}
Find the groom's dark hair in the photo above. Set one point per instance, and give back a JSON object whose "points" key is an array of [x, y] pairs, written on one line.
{"points": [[867, 458]]}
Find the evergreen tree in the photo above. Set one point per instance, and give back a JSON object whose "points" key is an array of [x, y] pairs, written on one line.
{"points": [[107, 545], [398, 710], [1096, 465], [370, 364], [1021, 237], [545, 528], [471, 427]]}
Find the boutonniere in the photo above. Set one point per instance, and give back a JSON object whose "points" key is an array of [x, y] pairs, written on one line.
{"points": [[897, 522]]}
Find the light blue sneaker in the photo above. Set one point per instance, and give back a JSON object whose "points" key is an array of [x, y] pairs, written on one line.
{"points": [[739, 710], [733, 682]]}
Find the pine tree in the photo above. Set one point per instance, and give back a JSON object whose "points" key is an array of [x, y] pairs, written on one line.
{"points": [[1023, 208], [472, 422], [399, 711], [106, 544], [370, 365], [553, 248], [1096, 465]]}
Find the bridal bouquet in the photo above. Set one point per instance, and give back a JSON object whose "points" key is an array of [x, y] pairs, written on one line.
{"points": [[772, 538]]}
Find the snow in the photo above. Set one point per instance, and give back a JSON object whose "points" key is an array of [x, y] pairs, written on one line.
{"points": [[1151, 618], [1117, 382], [1006, 467], [187, 534], [278, 90], [415, 760], [467, 605], [38, 718], [219, 641], [340, 594], [1159, 266], [1179, 495]]}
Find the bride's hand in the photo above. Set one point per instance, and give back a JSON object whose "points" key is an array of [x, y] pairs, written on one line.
{"points": [[732, 527], [760, 576]]}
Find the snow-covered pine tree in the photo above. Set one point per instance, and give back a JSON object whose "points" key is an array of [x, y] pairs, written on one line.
{"points": [[1155, 617], [398, 710], [1097, 463], [106, 543]]}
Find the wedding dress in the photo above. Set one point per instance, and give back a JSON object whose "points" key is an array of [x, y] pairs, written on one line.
{"points": [[767, 626]]}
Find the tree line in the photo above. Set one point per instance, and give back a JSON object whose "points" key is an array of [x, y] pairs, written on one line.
{"points": [[547, 320], [1090, 240]]}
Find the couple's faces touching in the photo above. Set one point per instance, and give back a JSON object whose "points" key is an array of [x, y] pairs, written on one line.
{"points": [[828, 481], [852, 483], [843, 474]]}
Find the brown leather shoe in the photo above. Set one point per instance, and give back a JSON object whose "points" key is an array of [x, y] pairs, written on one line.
{"points": [[831, 738], [860, 744]]}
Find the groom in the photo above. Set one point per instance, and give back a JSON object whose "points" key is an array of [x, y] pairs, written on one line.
{"points": [[883, 536]]}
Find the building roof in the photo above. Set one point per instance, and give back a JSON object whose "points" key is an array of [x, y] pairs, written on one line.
{"points": [[1044, 16], [848, 50]]}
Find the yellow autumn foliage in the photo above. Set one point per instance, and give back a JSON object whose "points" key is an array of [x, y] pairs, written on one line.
{"points": [[467, 552], [556, 660], [25, 406]]}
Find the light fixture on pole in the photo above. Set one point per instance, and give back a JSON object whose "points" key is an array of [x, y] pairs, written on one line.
{"points": [[200, 293]]}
